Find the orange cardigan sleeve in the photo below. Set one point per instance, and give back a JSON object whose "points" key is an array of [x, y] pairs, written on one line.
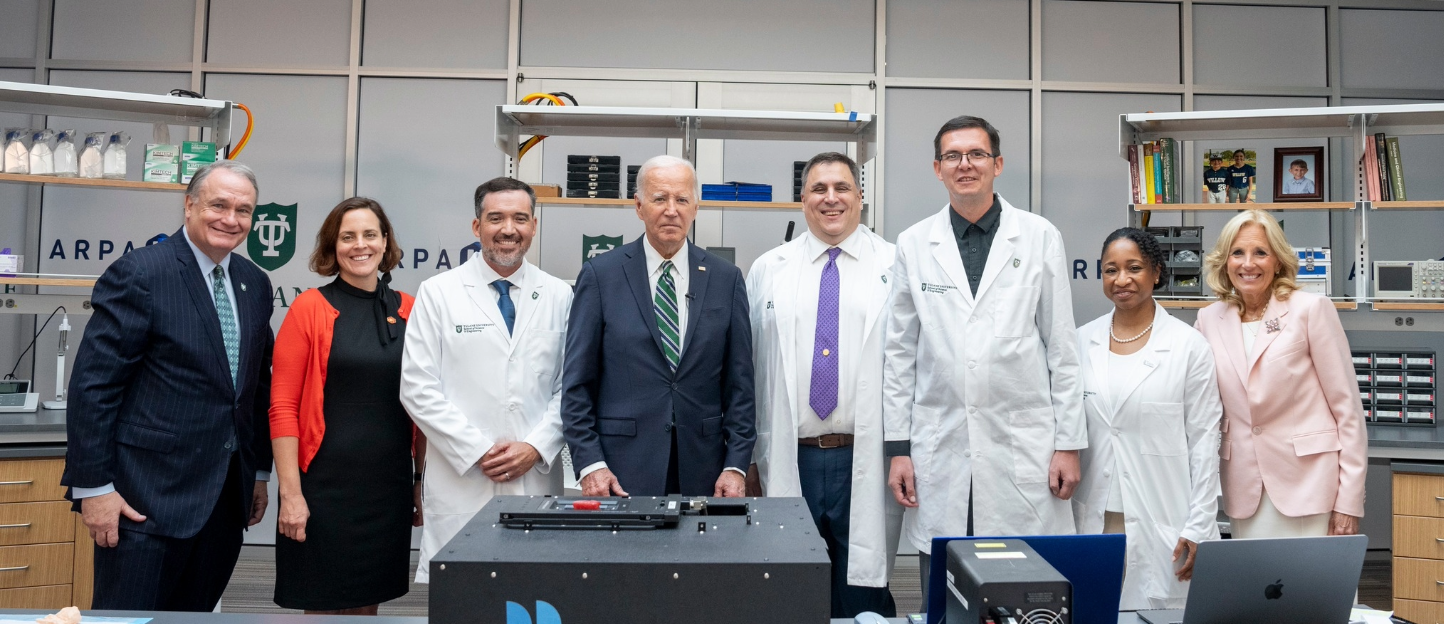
{"points": [[289, 364]]}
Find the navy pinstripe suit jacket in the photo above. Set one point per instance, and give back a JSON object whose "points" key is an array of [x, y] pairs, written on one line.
{"points": [[152, 406]]}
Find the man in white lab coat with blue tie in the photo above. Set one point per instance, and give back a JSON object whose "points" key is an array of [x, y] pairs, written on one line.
{"points": [[481, 371]]}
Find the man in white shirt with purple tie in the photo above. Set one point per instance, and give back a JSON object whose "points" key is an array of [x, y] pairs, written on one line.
{"points": [[818, 333]]}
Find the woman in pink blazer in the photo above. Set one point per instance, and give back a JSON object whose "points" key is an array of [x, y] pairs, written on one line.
{"points": [[1294, 450]]}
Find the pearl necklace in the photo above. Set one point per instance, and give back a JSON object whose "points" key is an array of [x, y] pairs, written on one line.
{"points": [[1121, 340]]}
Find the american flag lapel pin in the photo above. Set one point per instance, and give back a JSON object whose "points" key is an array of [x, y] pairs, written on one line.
{"points": [[701, 268]]}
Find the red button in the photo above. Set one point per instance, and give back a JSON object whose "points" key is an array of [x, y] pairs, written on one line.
{"points": [[587, 505]]}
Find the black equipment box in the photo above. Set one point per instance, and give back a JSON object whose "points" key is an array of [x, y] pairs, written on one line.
{"points": [[591, 159], [594, 193], [634, 560], [991, 580], [582, 176]]}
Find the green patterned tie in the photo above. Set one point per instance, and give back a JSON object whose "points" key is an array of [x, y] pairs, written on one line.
{"points": [[228, 320], [665, 305]]}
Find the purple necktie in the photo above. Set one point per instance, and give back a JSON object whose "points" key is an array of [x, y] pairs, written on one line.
{"points": [[823, 398]]}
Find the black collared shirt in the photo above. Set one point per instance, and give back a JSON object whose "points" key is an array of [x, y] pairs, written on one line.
{"points": [[975, 240]]}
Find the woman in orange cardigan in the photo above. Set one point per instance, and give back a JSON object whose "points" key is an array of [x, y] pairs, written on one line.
{"points": [[343, 443]]}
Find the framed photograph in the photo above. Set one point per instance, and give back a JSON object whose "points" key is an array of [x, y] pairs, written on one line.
{"points": [[1230, 176], [1299, 174]]}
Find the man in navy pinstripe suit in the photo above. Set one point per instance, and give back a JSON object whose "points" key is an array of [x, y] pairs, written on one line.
{"points": [[169, 439]]}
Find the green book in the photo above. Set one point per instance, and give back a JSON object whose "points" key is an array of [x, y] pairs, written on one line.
{"points": [[1396, 169]]}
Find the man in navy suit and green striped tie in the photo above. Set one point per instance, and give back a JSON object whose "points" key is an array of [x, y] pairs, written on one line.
{"points": [[657, 381]]}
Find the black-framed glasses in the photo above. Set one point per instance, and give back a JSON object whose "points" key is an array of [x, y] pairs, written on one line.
{"points": [[956, 158]]}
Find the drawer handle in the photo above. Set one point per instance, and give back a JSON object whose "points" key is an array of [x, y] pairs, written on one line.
{"points": [[26, 567], [27, 525], [33, 481]]}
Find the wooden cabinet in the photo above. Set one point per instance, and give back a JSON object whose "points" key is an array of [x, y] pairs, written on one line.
{"points": [[46, 555], [1419, 547]]}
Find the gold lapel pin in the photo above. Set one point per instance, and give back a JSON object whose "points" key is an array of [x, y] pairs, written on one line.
{"points": [[391, 320]]}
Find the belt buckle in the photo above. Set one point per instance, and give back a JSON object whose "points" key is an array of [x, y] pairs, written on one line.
{"points": [[823, 445]]}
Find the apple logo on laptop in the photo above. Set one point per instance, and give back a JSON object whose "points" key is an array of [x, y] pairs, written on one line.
{"points": [[1274, 591]]}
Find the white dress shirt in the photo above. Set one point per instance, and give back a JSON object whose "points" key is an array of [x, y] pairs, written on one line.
{"points": [[207, 266], [852, 313], [681, 278], [1121, 371]]}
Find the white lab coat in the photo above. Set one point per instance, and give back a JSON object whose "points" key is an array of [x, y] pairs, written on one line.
{"points": [[467, 384], [875, 519], [1162, 435], [985, 387]]}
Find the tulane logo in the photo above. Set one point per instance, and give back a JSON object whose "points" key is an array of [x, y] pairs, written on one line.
{"points": [[270, 244], [593, 246], [545, 614]]}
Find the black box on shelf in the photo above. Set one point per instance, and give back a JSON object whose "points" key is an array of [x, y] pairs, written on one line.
{"points": [[1393, 379], [594, 168], [1389, 415], [1384, 396], [600, 186], [1422, 415], [592, 176], [1388, 359], [593, 159], [593, 194]]}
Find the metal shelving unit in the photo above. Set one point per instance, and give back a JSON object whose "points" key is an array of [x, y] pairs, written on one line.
{"points": [[1358, 123], [37, 99], [514, 121]]}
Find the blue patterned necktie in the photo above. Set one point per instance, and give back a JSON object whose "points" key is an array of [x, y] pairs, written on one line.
{"points": [[665, 305], [823, 393], [508, 309], [227, 315]]}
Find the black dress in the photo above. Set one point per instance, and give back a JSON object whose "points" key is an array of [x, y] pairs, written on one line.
{"points": [[358, 487]]}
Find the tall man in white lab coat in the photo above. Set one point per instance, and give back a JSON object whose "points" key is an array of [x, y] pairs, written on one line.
{"points": [[818, 326], [982, 401], [481, 371]]}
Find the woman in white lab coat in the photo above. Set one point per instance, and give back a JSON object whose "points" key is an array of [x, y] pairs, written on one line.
{"points": [[1151, 467]]}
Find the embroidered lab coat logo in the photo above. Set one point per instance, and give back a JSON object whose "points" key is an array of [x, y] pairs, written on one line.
{"points": [[937, 289], [271, 245]]}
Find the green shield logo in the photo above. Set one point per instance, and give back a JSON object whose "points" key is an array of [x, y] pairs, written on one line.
{"points": [[271, 243], [593, 246]]}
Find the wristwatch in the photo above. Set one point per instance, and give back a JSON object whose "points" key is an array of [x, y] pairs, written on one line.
{"points": [[416, 477]]}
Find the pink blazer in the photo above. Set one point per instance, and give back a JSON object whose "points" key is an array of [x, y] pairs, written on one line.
{"points": [[1292, 419]]}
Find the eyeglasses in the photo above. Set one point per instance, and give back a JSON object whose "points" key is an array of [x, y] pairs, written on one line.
{"points": [[954, 158]]}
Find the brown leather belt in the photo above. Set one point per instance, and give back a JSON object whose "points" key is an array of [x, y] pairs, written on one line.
{"points": [[831, 440]]}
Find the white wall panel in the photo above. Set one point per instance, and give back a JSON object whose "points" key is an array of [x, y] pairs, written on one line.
{"points": [[17, 29], [124, 30], [1392, 49], [1110, 41], [1263, 46], [799, 35], [262, 33], [462, 34], [948, 39]]}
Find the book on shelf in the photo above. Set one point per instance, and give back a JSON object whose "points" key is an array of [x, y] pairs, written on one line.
{"points": [[1396, 169], [1168, 171], [1133, 185], [1381, 155], [1148, 173], [1158, 172], [1371, 172]]}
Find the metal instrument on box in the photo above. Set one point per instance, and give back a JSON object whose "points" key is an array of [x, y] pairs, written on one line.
{"points": [[1409, 279]]}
